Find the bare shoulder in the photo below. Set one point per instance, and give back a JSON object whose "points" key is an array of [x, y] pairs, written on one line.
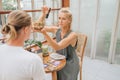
{"points": [[73, 34], [73, 37]]}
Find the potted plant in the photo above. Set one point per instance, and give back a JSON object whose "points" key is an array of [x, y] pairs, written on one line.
{"points": [[32, 43]]}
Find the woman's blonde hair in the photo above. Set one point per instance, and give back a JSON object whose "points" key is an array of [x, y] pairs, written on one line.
{"points": [[16, 21], [67, 12]]}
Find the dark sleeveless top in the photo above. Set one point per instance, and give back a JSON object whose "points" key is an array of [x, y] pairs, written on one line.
{"points": [[71, 69]]}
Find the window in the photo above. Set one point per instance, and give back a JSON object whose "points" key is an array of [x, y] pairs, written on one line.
{"points": [[33, 5], [9, 4]]}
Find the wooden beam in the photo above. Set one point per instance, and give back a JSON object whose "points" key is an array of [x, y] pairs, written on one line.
{"points": [[8, 11], [65, 3]]}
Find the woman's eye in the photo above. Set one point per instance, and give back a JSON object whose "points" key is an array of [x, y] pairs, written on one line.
{"points": [[59, 18]]}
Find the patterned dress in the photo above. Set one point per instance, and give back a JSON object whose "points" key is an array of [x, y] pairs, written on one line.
{"points": [[71, 69]]}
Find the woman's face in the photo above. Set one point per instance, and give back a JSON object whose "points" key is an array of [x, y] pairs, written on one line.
{"points": [[63, 20]]}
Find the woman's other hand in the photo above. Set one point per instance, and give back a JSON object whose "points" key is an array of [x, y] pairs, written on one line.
{"points": [[45, 10], [43, 31]]}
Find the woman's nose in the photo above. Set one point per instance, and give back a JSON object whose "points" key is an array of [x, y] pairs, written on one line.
{"points": [[60, 21]]}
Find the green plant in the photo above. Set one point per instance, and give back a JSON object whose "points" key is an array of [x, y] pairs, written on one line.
{"points": [[30, 42], [9, 4], [107, 38], [38, 25]]}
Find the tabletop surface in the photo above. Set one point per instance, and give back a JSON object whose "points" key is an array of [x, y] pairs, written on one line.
{"points": [[51, 64]]}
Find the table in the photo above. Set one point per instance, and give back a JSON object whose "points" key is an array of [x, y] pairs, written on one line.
{"points": [[52, 66]]}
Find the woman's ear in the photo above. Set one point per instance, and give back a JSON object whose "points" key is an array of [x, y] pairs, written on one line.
{"points": [[26, 29]]}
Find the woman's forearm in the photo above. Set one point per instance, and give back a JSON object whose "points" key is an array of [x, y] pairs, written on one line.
{"points": [[52, 42], [42, 18], [44, 12]]}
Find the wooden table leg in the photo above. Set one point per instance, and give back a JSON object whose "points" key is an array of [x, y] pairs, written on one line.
{"points": [[54, 75]]}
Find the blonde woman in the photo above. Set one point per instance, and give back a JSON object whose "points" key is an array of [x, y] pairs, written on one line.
{"points": [[65, 44], [15, 62]]}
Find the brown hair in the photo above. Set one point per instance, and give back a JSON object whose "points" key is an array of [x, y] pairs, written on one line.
{"points": [[17, 19]]}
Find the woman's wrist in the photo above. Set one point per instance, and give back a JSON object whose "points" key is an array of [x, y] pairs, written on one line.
{"points": [[45, 34], [43, 14]]}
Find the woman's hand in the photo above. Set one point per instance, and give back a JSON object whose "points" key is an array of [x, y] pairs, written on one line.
{"points": [[45, 10], [43, 31]]}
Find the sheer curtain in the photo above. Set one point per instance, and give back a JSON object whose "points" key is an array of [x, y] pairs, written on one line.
{"points": [[96, 18]]}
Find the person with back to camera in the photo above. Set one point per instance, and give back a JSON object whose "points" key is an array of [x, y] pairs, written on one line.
{"points": [[65, 44], [15, 62]]}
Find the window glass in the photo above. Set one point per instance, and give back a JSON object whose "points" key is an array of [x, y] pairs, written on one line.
{"points": [[87, 21], [25, 4], [84, 18], [117, 51], [9, 4], [104, 28]]}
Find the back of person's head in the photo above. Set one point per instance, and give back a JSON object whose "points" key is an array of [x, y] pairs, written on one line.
{"points": [[16, 20], [67, 12]]}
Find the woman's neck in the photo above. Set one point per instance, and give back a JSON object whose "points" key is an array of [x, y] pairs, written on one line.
{"points": [[64, 31], [16, 42]]}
